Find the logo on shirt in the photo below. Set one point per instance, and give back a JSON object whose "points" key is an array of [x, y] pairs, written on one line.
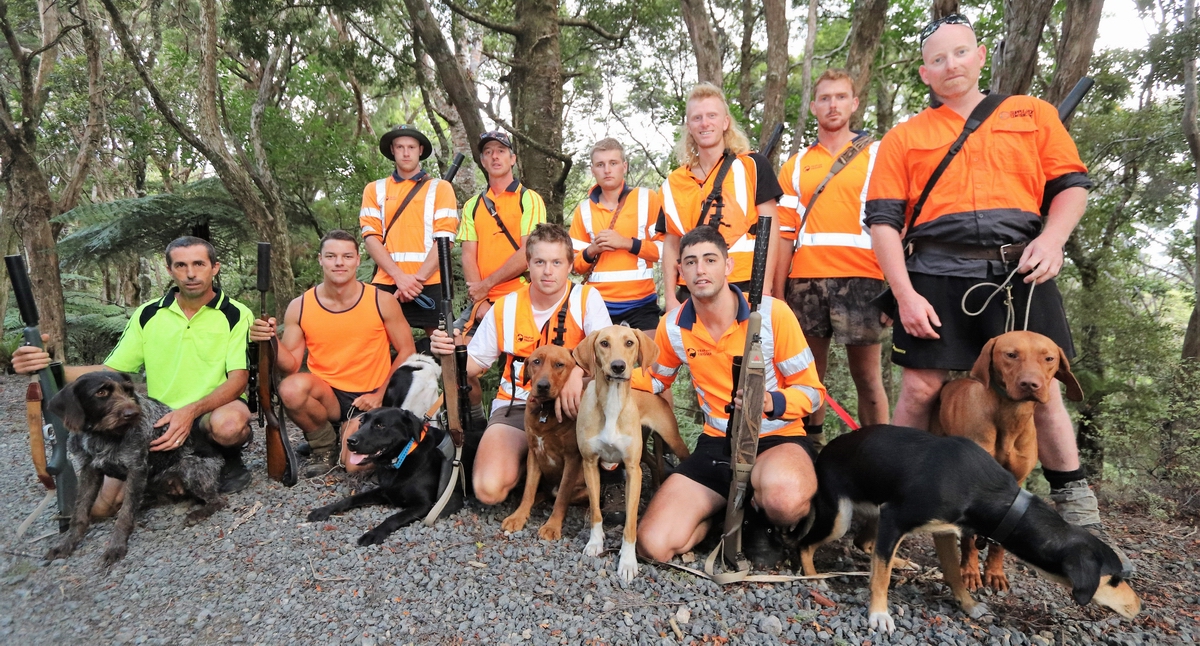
{"points": [[525, 339], [692, 353], [811, 167], [1016, 114]]}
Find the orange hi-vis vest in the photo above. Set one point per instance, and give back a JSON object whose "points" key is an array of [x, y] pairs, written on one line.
{"points": [[834, 242], [517, 336], [621, 276], [682, 195], [431, 213], [348, 350]]}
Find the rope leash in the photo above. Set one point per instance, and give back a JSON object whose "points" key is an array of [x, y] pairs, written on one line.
{"points": [[1010, 314]]}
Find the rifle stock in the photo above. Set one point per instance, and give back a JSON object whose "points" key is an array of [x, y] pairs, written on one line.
{"points": [[59, 474], [282, 464]]}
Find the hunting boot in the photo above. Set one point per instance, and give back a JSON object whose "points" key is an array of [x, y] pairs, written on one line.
{"points": [[1076, 503], [324, 454], [234, 474]]}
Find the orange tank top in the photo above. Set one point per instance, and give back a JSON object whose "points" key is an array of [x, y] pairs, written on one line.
{"points": [[348, 350]]}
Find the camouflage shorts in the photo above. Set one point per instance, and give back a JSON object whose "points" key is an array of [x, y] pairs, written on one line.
{"points": [[840, 308]]}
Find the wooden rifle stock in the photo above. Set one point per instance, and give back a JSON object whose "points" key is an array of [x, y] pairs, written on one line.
{"points": [[282, 464]]}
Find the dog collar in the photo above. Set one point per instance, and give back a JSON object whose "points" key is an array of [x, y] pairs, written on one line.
{"points": [[1015, 512], [408, 448]]}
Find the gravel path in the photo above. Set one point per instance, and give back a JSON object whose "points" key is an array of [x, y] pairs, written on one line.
{"points": [[257, 573]]}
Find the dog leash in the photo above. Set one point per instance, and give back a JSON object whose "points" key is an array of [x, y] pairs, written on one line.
{"points": [[456, 476], [744, 576], [1010, 314], [841, 412]]}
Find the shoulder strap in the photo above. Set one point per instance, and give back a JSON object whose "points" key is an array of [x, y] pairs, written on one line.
{"points": [[980, 114], [403, 204], [491, 208], [612, 223], [714, 198], [560, 330], [859, 144]]}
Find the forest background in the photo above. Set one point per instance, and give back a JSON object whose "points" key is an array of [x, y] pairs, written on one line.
{"points": [[126, 123]]}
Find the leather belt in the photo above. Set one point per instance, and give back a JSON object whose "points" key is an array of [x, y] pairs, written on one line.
{"points": [[1008, 253]]}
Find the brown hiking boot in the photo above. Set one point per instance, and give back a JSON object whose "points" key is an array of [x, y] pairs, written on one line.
{"points": [[1077, 504], [324, 455]]}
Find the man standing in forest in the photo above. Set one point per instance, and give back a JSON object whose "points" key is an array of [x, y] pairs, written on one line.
{"points": [[720, 184], [492, 231], [192, 344], [400, 217], [1008, 203], [833, 273], [614, 240], [348, 330]]}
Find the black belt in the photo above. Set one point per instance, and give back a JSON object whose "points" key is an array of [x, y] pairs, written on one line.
{"points": [[1006, 253]]}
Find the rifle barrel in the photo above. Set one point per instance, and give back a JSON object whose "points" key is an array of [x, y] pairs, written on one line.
{"points": [[773, 140], [22, 290], [1067, 108]]}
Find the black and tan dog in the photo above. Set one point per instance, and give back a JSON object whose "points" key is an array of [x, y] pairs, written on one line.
{"points": [[408, 467], [917, 482], [111, 430]]}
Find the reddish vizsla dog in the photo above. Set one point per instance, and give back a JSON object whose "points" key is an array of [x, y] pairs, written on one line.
{"points": [[994, 407]]}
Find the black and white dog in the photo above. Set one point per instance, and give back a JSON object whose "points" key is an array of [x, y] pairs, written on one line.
{"points": [[111, 430]]}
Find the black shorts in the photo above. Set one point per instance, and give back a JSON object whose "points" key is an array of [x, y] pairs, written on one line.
{"points": [[963, 336], [709, 462], [416, 315], [643, 318], [683, 293], [345, 403]]}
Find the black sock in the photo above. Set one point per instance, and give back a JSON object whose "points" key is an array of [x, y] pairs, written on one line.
{"points": [[813, 429], [1059, 479]]}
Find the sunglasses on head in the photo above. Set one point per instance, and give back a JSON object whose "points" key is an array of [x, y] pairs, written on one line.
{"points": [[952, 19]]}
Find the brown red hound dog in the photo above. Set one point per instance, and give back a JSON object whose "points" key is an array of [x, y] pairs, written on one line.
{"points": [[614, 421], [994, 408]]}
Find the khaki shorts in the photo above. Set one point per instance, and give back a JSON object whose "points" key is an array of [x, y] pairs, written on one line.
{"points": [[513, 416], [838, 308]]}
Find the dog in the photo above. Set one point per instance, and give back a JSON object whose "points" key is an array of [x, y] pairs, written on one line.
{"points": [[553, 449], [409, 458], [918, 482], [111, 429], [994, 408], [414, 385], [614, 421]]}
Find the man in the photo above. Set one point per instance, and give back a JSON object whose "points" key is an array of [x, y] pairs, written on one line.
{"points": [[400, 217], [711, 141], [617, 251], [192, 344], [348, 330], [834, 273], [706, 333], [518, 324], [493, 231], [980, 223]]}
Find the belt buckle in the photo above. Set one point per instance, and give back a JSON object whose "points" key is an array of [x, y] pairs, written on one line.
{"points": [[1003, 255]]}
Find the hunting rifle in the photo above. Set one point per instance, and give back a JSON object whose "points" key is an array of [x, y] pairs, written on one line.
{"points": [[455, 389], [57, 475], [749, 372], [282, 464]]}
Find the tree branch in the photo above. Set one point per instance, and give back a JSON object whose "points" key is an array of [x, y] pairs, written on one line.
{"points": [[91, 132], [600, 31], [531, 142], [482, 20]]}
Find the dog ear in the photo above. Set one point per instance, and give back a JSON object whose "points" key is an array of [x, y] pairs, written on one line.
{"points": [[647, 349], [1082, 569], [982, 370], [68, 408], [585, 353], [525, 371], [1064, 374]]}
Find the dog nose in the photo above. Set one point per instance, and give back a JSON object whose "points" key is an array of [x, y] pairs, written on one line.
{"points": [[618, 366], [543, 386], [352, 442], [1030, 385], [131, 412]]}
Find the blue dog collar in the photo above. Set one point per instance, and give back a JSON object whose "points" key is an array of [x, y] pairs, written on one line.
{"points": [[408, 448]]}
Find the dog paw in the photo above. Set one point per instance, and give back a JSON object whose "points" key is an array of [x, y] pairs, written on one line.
{"points": [[595, 544], [514, 523], [550, 532], [320, 513], [627, 565], [997, 581], [971, 579], [373, 537], [978, 610], [113, 554], [198, 515], [62, 551], [882, 622]]}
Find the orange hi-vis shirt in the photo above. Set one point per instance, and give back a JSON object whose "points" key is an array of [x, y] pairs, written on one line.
{"points": [[683, 193], [431, 213], [991, 194], [791, 372], [518, 335], [521, 210], [834, 242], [621, 276], [348, 350]]}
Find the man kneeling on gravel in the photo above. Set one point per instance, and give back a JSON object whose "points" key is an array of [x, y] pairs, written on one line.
{"points": [[192, 344]]}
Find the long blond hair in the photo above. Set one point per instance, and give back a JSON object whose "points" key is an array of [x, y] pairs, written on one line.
{"points": [[686, 150]]}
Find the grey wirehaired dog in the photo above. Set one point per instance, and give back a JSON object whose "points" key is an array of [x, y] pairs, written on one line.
{"points": [[111, 429]]}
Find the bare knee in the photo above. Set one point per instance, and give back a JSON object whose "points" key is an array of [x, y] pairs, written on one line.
{"points": [[293, 392], [493, 485], [920, 389], [229, 428], [784, 506], [655, 543]]}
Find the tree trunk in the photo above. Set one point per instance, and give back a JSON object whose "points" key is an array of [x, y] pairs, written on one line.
{"points": [[1015, 60], [775, 89], [704, 41], [535, 93], [31, 207], [1081, 24], [866, 30], [810, 43], [1191, 132], [885, 106], [746, 57]]}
